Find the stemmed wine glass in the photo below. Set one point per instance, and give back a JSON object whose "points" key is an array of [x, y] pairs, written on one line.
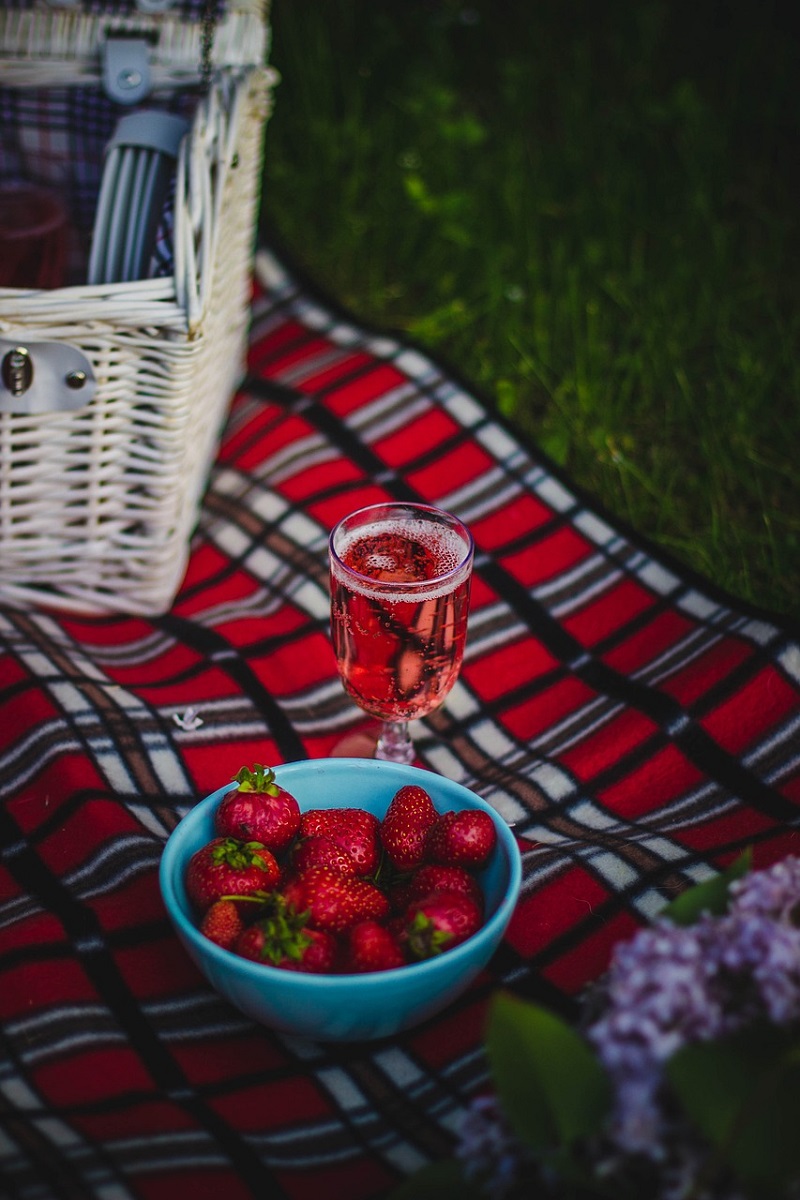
{"points": [[400, 576]]}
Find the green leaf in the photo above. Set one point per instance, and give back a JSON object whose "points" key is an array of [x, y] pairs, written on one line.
{"points": [[260, 779], [711, 896], [551, 1086], [743, 1094], [438, 1181]]}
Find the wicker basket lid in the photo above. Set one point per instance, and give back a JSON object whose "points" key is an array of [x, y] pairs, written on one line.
{"points": [[69, 36]]}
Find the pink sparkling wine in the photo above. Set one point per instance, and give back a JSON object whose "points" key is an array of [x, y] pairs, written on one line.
{"points": [[399, 650]]}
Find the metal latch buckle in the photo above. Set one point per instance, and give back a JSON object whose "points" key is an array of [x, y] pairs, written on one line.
{"points": [[126, 68], [44, 377]]}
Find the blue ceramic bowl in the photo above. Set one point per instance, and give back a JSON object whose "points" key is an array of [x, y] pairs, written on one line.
{"points": [[344, 1007]]}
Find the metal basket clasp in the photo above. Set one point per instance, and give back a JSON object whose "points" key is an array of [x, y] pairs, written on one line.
{"points": [[44, 377]]}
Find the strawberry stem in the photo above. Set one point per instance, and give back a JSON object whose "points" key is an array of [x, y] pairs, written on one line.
{"points": [[425, 940], [239, 855], [260, 779], [250, 898], [284, 935]]}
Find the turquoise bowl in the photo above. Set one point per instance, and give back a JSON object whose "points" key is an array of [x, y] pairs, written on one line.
{"points": [[339, 1008]]}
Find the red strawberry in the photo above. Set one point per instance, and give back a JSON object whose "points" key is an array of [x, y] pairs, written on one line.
{"points": [[434, 877], [372, 947], [439, 922], [462, 839], [222, 923], [259, 810], [280, 939], [399, 893], [405, 827], [320, 851], [230, 868], [319, 957], [354, 830], [334, 903]]}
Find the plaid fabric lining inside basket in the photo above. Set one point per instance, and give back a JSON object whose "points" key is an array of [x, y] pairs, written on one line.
{"points": [[639, 727], [56, 137]]}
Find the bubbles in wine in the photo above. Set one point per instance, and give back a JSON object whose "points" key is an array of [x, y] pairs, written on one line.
{"points": [[399, 603], [390, 558], [401, 553]]}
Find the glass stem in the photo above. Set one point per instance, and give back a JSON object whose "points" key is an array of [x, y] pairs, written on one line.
{"points": [[394, 744]]}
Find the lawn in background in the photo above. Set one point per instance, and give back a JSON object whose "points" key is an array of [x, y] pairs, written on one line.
{"points": [[588, 206]]}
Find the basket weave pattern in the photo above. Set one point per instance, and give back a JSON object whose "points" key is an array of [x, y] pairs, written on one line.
{"points": [[97, 505]]}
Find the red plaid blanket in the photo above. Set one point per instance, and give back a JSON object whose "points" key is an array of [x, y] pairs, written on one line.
{"points": [[638, 727]]}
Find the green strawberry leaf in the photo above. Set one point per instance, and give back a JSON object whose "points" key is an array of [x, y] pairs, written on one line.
{"points": [[743, 1093], [424, 939], [260, 779], [283, 929], [711, 896], [239, 855], [551, 1086]]}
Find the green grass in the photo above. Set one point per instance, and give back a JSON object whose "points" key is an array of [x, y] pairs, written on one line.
{"points": [[590, 208]]}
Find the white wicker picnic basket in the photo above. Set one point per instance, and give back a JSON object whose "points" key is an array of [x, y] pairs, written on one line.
{"points": [[113, 395]]}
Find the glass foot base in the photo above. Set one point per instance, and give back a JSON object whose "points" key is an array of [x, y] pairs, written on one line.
{"points": [[394, 744]]}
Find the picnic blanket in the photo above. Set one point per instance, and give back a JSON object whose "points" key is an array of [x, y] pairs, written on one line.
{"points": [[637, 727]]}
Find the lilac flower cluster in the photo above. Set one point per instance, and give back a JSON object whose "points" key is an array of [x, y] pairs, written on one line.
{"points": [[666, 987], [491, 1155], [671, 985]]}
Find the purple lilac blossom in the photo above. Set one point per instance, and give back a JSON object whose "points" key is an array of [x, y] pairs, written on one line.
{"points": [[773, 892], [672, 985], [759, 960], [488, 1151], [666, 987]]}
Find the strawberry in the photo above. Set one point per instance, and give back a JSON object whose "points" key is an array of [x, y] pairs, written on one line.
{"points": [[462, 839], [434, 877], [334, 903], [227, 867], [404, 829], [372, 947], [222, 923], [439, 922], [320, 851], [259, 810], [279, 939], [318, 958], [354, 830]]}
